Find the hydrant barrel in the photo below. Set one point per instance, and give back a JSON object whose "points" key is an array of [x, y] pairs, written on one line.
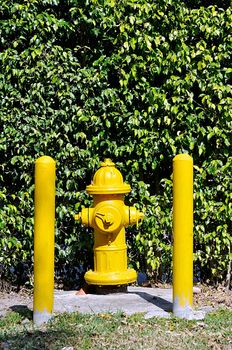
{"points": [[108, 217]]}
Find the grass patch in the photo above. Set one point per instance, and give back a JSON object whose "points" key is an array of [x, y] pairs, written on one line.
{"points": [[118, 331], [11, 319]]}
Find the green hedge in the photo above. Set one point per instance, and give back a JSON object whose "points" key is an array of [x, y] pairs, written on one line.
{"points": [[137, 81]]}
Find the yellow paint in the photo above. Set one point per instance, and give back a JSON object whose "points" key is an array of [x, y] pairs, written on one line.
{"points": [[183, 232], [44, 235], [108, 217]]}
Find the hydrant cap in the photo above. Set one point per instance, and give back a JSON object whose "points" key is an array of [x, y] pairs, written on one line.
{"points": [[108, 180]]}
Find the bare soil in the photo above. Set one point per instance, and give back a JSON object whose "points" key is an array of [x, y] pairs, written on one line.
{"points": [[215, 297]]}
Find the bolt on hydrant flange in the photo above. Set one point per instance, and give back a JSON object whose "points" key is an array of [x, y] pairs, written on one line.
{"points": [[108, 217]]}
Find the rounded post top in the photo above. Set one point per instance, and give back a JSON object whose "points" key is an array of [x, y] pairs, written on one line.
{"points": [[45, 160], [183, 156]]}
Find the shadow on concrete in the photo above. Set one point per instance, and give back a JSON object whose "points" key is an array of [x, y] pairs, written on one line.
{"points": [[23, 310], [157, 301]]}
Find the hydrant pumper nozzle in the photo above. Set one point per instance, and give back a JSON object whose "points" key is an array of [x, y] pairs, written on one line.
{"points": [[108, 217]]}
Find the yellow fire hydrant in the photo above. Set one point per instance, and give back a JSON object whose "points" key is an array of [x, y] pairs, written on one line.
{"points": [[108, 217]]}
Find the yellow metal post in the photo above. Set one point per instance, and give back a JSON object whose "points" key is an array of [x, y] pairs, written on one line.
{"points": [[183, 235], [44, 239]]}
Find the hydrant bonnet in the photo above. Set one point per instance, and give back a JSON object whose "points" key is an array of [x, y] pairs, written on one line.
{"points": [[108, 180]]}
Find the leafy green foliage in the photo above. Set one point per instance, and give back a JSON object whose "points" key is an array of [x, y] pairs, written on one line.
{"points": [[138, 82]]}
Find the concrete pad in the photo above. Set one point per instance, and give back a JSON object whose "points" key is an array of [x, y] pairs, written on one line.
{"points": [[153, 302]]}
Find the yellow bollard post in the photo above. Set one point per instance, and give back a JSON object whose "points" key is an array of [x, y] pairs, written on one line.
{"points": [[44, 239], [183, 235]]}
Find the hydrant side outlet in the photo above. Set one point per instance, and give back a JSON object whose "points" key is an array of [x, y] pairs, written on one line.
{"points": [[108, 217]]}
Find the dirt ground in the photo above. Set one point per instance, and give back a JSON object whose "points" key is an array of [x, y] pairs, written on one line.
{"points": [[203, 296], [215, 297]]}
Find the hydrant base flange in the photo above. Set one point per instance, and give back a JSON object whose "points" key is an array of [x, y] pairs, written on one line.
{"points": [[113, 278]]}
